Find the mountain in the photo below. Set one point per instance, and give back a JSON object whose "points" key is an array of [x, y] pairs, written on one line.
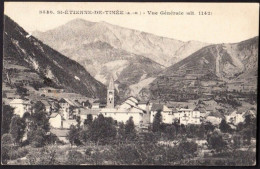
{"points": [[226, 61], [236, 62], [127, 69], [93, 46], [133, 57], [29, 61], [79, 32]]}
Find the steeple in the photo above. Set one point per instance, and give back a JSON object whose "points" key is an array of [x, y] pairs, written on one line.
{"points": [[111, 94], [111, 84]]}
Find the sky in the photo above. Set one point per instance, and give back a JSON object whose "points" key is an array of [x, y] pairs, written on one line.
{"points": [[228, 22]]}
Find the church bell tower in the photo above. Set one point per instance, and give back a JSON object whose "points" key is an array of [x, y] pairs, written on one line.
{"points": [[111, 94]]}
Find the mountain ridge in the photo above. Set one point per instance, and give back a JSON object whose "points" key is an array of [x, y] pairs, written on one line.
{"points": [[24, 50], [223, 63], [159, 49]]}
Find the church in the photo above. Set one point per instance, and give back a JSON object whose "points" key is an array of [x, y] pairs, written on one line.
{"points": [[131, 107]]}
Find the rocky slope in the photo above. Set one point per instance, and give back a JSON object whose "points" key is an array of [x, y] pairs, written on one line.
{"points": [[133, 57], [36, 64], [227, 63], [78, 32]]}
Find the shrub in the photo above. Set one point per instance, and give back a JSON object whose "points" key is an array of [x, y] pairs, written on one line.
{"points": [[75, 158], [7, 139], [216, 141], [44, 156], [187, 148]]}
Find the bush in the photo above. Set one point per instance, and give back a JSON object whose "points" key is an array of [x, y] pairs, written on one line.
{"points": [[7, 139], [216, 141], [187, 148], [127, 154], [20, 152], [75, 158], [43, 156], [37, 138]]}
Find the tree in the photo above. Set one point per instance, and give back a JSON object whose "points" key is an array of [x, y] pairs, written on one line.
{"points": [[224, 127], [7, 115], [74, 157], [209, 127], [121, 131], [170, 132], [78, 122], [6, 145], [240, 126], [130, 132], [17, 128], [7, 139], [191, 130], [247, 135], [84, 135], [37, 137], [73, 135], [38, 107], [186, 148], [39, 126], [89, 120], [201, 132], [26, 115], [216, 141], [21, 91], [237, 141], [102, 130], [157, 122], [45, 156], [39, 118]]}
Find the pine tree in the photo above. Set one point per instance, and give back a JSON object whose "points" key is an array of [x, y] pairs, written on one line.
{"points": [[17, 128], [7, 115], [224, 127], [89, 120], [130, 129], [170, 131], [39, 126], [73, 134], [157, 122]]}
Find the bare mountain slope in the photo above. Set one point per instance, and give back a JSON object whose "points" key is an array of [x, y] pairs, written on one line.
{"points": [[78, 32], [227, 61], [38, 62], [105, 49], [237, 62]]}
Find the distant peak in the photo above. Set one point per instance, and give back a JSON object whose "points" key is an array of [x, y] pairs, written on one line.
{"points": [[81, 21], [104, 23]]}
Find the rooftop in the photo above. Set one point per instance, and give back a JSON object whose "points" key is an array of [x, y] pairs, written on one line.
{"points": [[70, 102], [59, 132], [53, 115], [19, 101], [84, 111]]}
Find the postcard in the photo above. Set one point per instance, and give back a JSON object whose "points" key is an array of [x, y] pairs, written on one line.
{"points": [[109, 83]]}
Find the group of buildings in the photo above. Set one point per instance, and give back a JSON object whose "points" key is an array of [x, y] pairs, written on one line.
{"points": [[64, 113]]}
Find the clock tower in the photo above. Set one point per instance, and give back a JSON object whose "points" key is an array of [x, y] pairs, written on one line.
{"points": [[111, 94]]}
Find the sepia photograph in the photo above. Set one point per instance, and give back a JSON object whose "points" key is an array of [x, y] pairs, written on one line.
{"points": [[106, 83]]}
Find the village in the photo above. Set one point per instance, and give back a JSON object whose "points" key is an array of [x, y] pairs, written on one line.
{"points": [[63, 110]]}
